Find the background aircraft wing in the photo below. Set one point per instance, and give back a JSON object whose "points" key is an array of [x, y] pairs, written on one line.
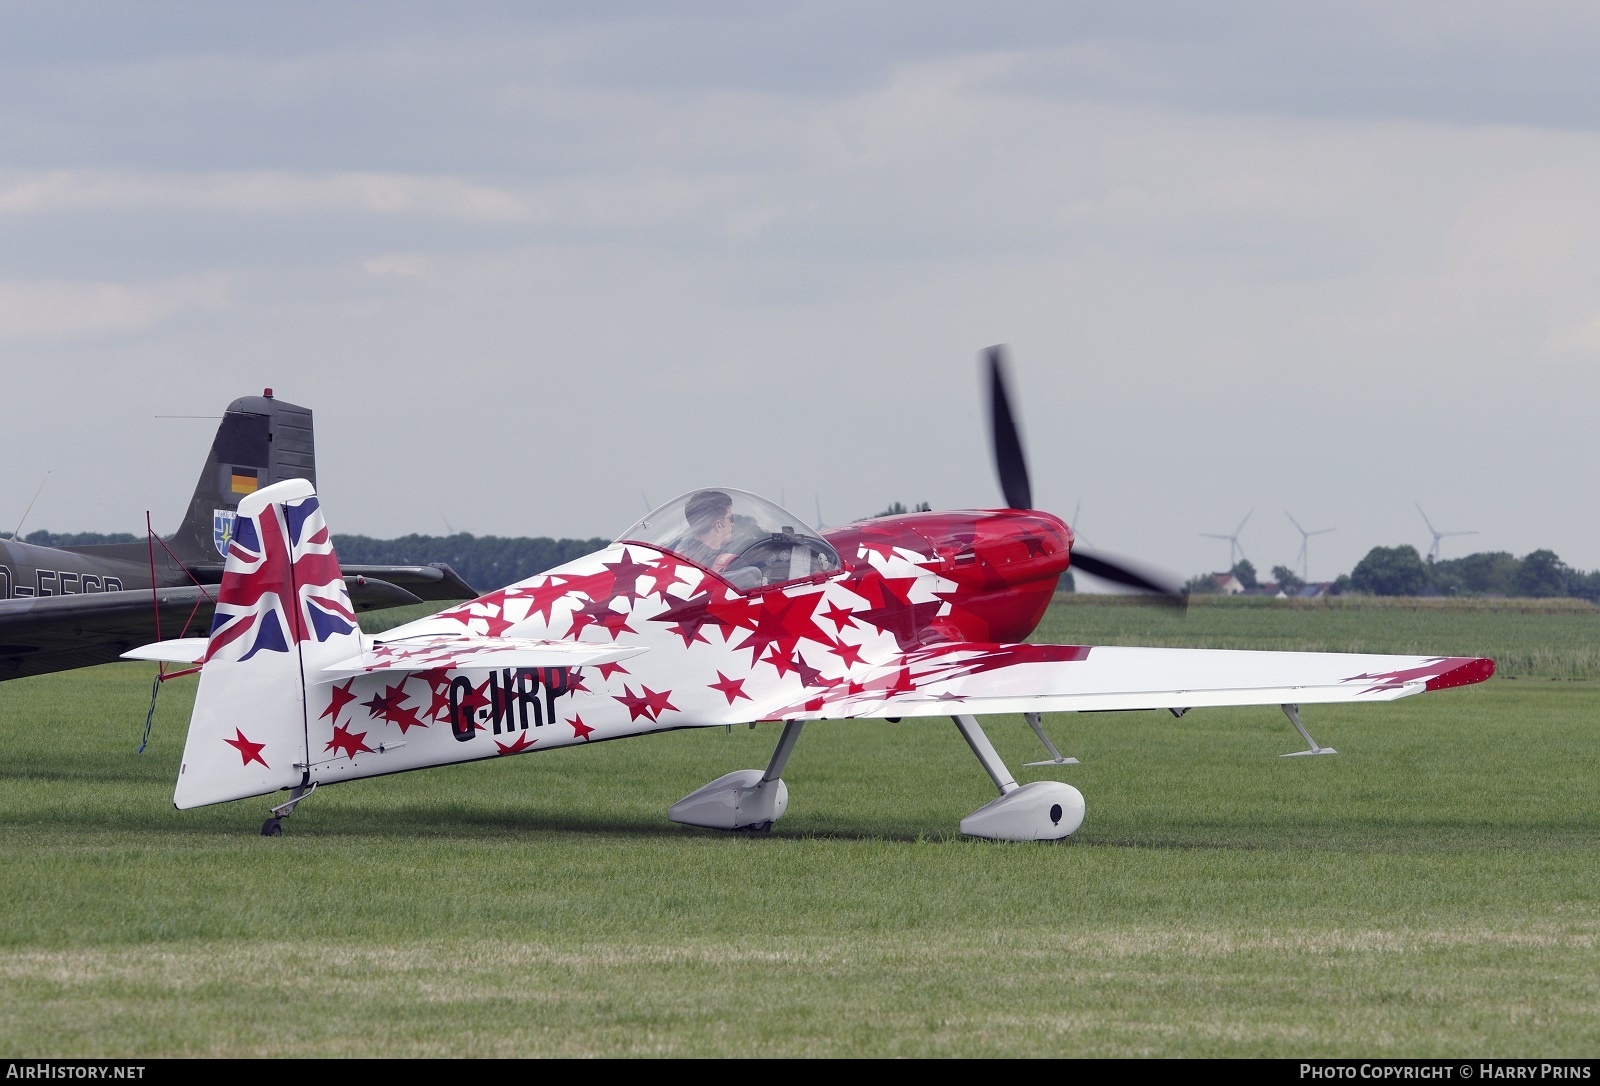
{"points": [[993, 678], [55, 633], [433, 581]]}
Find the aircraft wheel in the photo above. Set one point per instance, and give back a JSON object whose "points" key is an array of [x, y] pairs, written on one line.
{"points": [[759, 827], [272, 827]]}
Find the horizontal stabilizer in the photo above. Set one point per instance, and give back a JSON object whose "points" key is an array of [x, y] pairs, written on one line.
{"points": [[458, 652], [179, 650]]}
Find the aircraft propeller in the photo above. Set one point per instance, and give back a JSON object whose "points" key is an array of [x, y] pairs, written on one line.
{"points": [[1012, 467]]}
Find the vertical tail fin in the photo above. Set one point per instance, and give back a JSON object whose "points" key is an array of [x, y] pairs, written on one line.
{"points": [[261, 441], [283, 614]]}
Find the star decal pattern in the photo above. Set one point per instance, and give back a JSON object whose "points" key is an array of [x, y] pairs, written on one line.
{"points": [[872, 630], [250, 752], [347, 742]]}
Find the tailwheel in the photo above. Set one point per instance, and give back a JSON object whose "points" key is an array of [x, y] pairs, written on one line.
{"points": [[272, 827]]}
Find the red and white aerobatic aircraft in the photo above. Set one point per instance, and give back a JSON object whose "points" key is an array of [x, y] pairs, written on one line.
{"points": [[718, 608]]}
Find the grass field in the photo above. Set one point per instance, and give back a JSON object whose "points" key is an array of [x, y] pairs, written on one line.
{"points": [[1434, 890]]}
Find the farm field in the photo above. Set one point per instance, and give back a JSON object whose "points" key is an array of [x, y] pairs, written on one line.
{"points": [[1430, 891]]}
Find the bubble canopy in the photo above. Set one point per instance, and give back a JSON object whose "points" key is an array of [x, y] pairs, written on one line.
{"points": [[750, 541]]}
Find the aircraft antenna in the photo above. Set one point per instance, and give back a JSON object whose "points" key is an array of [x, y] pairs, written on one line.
{"points": [[818, 499], [16, 536]]}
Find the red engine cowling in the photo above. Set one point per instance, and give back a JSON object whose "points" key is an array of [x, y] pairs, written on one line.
{"points": [[1005, 564]]}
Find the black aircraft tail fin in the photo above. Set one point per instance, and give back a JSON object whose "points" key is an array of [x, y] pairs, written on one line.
{"points": [[262, 440]]}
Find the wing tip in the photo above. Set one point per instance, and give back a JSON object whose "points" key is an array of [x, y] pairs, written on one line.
{"points": [[1467, 671]]}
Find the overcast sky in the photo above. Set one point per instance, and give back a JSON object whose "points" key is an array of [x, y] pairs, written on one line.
{"points": [[531, 264]]}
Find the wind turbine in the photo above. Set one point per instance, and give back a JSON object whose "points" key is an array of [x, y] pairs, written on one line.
{"points": [[1433, 552], [1074, 522], [1305, 540], [1235, 552]]}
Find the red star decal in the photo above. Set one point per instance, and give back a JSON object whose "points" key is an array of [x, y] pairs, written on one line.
{"points": [[849, 655], [338, 698], [608, 670], [495, 624], [658, 702], [690, 632], [473, 700], [250, 752], [663, 575], [626, 574], [347, 743], [902, 684], [637, 705], [599, 613], [544, 596], [438, 681], [580, 730], [730, 688], [687, 616], [523, 743], [783, 622], [391, 706], [810, 676], [781, 661], [839, 616], [895, 614], [649, 704]]}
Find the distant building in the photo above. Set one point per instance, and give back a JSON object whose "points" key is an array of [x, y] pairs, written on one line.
{"points": [[1278, 592], [1228, 584]]}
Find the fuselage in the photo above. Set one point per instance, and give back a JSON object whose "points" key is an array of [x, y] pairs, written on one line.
{"points": [[711, 653], [29, 571]]}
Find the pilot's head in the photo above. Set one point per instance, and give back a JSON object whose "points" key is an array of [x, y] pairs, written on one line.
{"points": [[710, 517]]}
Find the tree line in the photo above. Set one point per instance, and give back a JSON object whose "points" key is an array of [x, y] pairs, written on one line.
{"points": [[486, 562], [1402, 571]]}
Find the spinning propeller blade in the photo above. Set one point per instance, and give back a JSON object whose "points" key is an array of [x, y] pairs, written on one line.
{"points": [[1012, 467], [1008, 458], [1162, 591]]}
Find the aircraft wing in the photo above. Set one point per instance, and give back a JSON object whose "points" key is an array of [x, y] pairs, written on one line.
{"points": [[431, 652], [56, 633], [433, 581], [942, 680]]}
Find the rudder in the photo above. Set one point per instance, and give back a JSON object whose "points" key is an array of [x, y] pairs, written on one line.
{"points": [[283, 613], [261, 441]]}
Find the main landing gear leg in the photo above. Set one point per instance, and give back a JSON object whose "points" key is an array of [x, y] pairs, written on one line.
{"points": [[746, 799], [1293, 713], [1036, 722], [273, 827], [1038, 811]]}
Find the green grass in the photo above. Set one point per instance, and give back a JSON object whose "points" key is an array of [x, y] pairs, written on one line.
{"points": [[1547, 639], [1431, 891]]}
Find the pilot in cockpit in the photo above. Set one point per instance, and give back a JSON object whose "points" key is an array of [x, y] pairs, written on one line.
{"points": [[710, 517]]}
